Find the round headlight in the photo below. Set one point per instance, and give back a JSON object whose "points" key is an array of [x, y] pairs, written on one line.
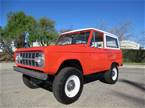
{"points": [[18, 58], [40, 60]]}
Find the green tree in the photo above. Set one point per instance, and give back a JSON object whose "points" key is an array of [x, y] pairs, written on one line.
{"points": [[1, 37], [18, 23], [42, 31], [1, 33], [1, 30], [5, 45], [45, 32]]}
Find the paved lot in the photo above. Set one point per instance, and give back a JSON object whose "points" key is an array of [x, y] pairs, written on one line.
{"points": [[128, 92]]}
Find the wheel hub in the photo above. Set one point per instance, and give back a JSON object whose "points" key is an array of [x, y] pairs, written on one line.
{"points": [[113, 73], [71, 85]]}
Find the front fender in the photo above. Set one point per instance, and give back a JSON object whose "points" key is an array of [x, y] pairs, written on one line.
{"points": [[54, 61]]}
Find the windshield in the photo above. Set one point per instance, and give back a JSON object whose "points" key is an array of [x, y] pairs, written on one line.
{"points": [[80, 38]]}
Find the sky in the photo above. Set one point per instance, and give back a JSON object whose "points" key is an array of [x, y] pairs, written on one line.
{"points": [[77, 14]]}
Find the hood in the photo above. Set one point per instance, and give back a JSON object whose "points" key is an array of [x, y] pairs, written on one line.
{"points": [[55, 48]]}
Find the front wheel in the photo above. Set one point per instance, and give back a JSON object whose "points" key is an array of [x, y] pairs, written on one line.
{"points": [[68, 85]]}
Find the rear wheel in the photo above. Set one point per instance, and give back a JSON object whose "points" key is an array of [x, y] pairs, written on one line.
{"points": [[111, 76], [29, 82], [68, 85]]}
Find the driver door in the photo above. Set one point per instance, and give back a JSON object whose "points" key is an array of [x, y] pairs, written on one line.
{"points": [[97, 53]]}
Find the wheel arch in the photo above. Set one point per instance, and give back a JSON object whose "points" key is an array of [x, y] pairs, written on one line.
{"points": [[71, 63], [115, 63]]}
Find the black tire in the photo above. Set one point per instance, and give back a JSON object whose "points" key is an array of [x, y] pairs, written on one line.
{"points": [[60, 82], [29, 83], [111, 77]]}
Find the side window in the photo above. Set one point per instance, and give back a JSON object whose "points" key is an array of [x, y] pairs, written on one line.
{"points": [[111, 42], [97, 40]]}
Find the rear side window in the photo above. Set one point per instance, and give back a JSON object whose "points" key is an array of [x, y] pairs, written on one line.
{"points": [[111, 42]]}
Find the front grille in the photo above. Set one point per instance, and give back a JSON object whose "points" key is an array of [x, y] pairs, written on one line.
{"points": [[28, 58]]}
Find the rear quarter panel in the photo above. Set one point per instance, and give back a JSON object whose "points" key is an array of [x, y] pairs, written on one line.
{"points": [[114, 55]]}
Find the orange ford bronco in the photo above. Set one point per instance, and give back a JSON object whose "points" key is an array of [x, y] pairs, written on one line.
{"points": [[62, 66]]}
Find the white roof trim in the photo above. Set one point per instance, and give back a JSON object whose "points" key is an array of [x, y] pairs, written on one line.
{"points": [[89, 29]]}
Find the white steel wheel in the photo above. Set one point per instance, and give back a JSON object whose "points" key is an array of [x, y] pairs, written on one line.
{"points": [[68, 85], [72, 86], [114, 74]]}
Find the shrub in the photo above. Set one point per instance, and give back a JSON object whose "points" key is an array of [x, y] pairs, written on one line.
{"points": [[130, 55]]}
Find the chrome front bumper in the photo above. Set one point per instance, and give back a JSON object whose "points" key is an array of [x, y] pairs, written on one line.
{"points": [[31, 73]]}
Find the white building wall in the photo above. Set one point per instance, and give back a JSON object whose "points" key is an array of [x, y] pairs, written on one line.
{"points": [[126, 44]]}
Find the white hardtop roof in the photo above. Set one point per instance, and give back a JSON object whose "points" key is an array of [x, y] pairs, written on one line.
{"points": [[110, 34]]}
